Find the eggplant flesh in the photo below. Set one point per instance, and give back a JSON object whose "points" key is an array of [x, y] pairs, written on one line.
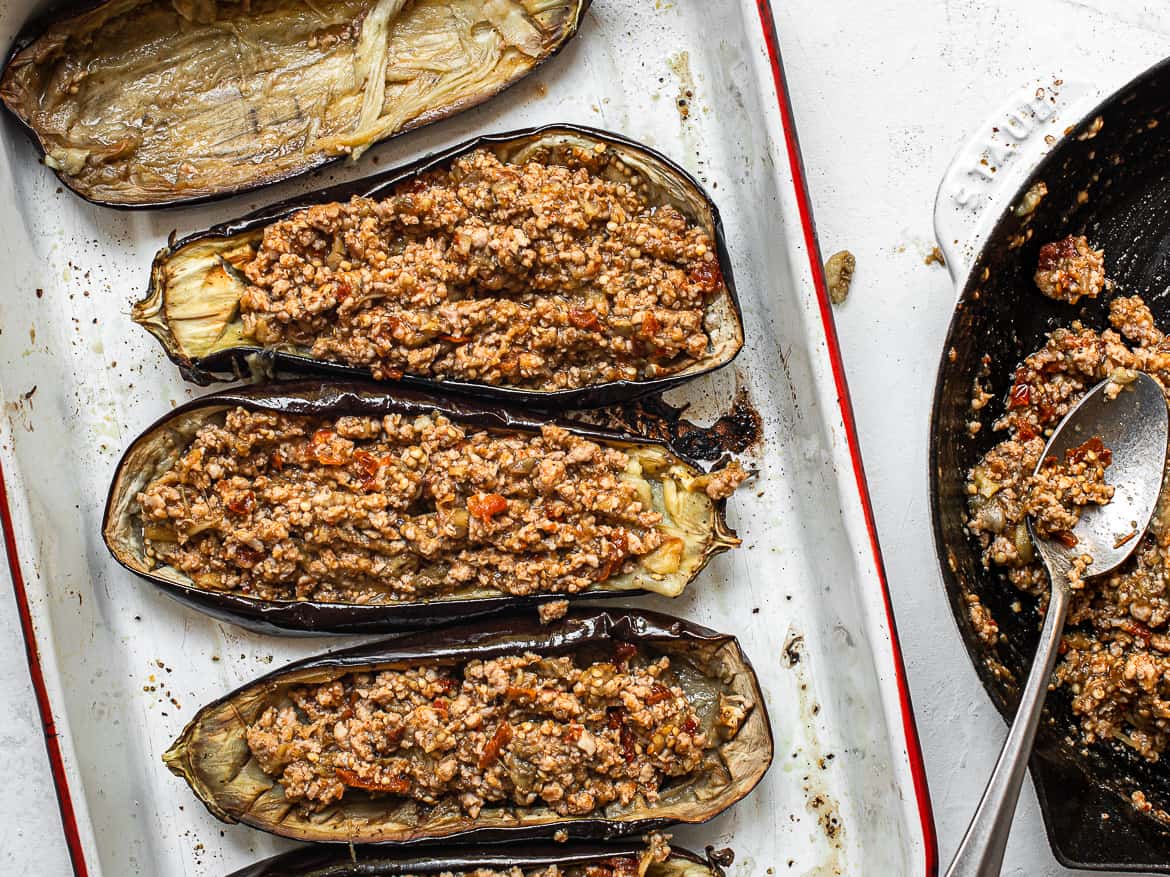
{"points": [[192, 305], [153, 102], [695, 526], [569, 858], [212, 754]]}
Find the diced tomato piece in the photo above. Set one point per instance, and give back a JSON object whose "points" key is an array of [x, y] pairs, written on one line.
{"points": [[1020, 396], [583, 318], [707, 275], [322, 448], [398, 785], [486, 506], [658, 693], [491, 749], [243, 504]]}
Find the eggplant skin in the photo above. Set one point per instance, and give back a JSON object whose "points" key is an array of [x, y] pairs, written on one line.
{"points": [[422, 862], [191, 305], [152, 452], [212, 755], [151, 103]]}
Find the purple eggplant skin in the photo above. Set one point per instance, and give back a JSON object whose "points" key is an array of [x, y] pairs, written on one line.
{"points": [[212, 757], [329, 399], [378, 862], [37, 26], [242, 361]]}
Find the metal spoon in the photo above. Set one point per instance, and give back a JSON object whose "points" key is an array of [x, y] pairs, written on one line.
{"points": [[1134, 427]]}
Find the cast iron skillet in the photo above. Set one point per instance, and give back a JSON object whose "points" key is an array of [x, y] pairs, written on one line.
{"points": [[1125, 170]]}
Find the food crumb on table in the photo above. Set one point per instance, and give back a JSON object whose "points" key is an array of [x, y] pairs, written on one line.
{"points": [[839, 275]]}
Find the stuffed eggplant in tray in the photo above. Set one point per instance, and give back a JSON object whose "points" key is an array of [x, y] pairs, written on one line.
{"points": [[348, 507], [139, 103], [619, 859], [558, 266], [600, 725]]}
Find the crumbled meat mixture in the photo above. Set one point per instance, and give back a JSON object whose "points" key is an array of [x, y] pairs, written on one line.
{"points": [[360, 509], [540, 275], [615, 867], [552, 611], [1115, 658], [1069, 269], [1060, 489], [525, 729], [985, 627]]}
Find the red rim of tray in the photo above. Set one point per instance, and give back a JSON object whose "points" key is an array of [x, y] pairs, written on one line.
{"points": [[808, 229], [813, 250]]}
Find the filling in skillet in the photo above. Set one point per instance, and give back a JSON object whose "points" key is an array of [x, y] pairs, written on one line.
{"points": [[361, 510], [538, 275], [1115, 655], [573, 733]]}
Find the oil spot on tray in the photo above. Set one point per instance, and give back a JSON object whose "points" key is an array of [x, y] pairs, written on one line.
{"points": [[814, 783], [792, 647], [20, 411], [680, 65]]}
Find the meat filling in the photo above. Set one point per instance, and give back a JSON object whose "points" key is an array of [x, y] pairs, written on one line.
{"points": [[1069, 269], [1060, 489], [537, 275], [358, 509], [624, 866], [1115, 658], [572, 735]]}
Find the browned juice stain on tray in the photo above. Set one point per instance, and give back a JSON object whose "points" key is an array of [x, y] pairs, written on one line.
{"points": [[740, 429]]}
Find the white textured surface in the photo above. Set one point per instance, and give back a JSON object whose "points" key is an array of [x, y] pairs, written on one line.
{"points": [[884, 92]]}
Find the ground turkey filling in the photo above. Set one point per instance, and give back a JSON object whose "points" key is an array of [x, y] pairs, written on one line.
{"points": [[1069, 269], [524, 729], [543, 276], [615, 867], [361, 509], [1115, 658]]}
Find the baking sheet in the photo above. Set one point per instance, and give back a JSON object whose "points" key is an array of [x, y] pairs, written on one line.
{"points": [[125, 667]]}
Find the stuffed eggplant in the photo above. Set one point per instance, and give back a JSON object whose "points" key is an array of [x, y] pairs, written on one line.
{"points": [[559, 266], [346, 507], [621, 859], [600, 725], [138, 103]]}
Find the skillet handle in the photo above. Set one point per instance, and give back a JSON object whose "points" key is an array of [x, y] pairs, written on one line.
{"points": [[992, 165]]}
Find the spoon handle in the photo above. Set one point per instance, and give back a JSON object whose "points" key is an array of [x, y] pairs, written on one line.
{"points": [[980, 853]]}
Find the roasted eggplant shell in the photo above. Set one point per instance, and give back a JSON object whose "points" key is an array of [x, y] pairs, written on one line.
{"points": [[154, 450], [192, 303], [212, 754], [46, 40], [415, 862]]}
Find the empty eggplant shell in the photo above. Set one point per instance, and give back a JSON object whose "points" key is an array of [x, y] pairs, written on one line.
{"points": [[569, 858], [213, 756], [193, 303], [139, 103], [689, 515]]}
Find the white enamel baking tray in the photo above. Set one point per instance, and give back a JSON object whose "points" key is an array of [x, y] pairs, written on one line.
{"points": [[119, 669]]}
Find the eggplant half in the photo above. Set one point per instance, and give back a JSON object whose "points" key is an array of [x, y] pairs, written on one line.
{"points": [[625, 858], [214, 756], [147, 103], [694, 526], [193, 304]]}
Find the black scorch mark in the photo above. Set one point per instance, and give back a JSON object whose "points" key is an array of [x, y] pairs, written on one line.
{"points": [[738, 430]]}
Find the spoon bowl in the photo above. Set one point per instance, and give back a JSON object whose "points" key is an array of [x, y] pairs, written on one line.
{"points": [[1134, 427]]}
